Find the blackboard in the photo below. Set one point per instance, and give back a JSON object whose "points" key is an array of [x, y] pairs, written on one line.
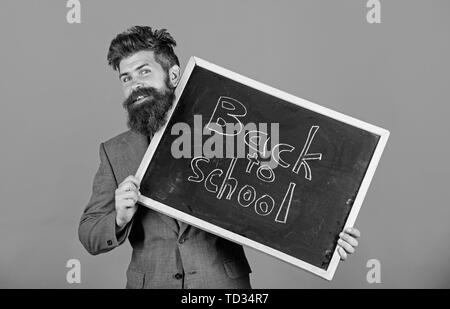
{"points": [[286, 177]]}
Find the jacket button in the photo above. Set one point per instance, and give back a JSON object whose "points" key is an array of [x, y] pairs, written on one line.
{"points": [[178, 276], [182, 240], [109, 242]]}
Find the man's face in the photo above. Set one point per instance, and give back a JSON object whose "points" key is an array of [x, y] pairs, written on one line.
{"points": [[141, 70], [148, 95]]}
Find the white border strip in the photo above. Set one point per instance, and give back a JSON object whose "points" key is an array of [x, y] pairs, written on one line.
{"points": [[174, 213]]}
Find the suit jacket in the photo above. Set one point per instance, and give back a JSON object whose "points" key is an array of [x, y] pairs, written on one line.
{"points": [[166, 253]]}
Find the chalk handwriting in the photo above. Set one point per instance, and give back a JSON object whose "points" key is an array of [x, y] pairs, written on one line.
{"points": [[227, 120], [305, 156], [227, 110], [285, 204], [247, 194]]}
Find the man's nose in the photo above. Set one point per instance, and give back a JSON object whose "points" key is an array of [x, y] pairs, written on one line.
{"points": [[136, 86]]}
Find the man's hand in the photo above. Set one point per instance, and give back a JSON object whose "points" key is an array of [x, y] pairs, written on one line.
{"points": [[347, 242], [126, 197]]}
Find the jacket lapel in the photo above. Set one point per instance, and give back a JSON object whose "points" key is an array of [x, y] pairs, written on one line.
{"points": [[183, 228]]}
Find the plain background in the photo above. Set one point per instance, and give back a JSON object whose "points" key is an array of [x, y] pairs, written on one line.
{"points": [[59, 100]]}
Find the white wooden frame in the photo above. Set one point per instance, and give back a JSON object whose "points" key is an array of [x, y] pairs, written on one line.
{"points": [[174, 213]]}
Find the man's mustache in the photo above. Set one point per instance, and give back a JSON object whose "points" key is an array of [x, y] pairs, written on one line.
{"points": [[149, 115], [141, 93]]}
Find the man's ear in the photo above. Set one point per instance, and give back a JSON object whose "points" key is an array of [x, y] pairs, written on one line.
{"points": [[174, 75]]}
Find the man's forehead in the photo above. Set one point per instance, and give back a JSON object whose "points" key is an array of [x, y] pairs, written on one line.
{"points": [[137, 59]]}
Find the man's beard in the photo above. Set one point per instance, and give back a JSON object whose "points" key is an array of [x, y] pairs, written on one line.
{"points": [[148, 116]]}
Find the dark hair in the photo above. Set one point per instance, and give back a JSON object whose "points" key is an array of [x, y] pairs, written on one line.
{"points": [[138, 38]]}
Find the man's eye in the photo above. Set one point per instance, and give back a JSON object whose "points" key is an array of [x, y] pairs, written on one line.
{"points": [[125, 79], [145, 71]]}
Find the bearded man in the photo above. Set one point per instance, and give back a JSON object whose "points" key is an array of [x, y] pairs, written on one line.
{"points": [[166, 253]]}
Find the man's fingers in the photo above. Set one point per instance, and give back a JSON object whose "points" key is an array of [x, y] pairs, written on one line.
{"points": [[128, 203], [353, 232], [127, 186], [342, 253], [131, 179], [347, 247], [128, 195], [347, 238]]}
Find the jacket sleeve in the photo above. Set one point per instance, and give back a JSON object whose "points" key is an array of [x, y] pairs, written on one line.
{"points": [[97, 229]]}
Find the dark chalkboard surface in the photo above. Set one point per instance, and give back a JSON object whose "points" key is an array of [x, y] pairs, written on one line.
{"points": [[271, 171]]}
